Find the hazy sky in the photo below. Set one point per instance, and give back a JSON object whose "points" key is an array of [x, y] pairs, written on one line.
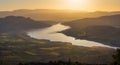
{"points": [[84, 5]]}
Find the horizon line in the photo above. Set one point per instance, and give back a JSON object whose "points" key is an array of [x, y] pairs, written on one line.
{"points": [[60, 10]]}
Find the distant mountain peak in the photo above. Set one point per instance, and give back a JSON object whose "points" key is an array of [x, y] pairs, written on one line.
{"points": [[18, 18], [19, 23]]}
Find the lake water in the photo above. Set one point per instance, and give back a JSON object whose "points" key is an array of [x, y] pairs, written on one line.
{"points": [[52, 34]]}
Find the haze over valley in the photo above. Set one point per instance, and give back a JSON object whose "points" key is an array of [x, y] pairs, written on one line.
{"points": [[60, 32]]}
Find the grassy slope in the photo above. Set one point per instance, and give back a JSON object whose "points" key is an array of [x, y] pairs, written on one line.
{"points": [[20, 48]]}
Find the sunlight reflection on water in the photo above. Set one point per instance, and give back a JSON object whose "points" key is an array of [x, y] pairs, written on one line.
{"points": [[51, 33]]}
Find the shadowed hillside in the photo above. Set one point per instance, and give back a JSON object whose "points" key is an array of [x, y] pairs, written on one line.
{"points": [[18, 23], [113, 20], [104, 29]]}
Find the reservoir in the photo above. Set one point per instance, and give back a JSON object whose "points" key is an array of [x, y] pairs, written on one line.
{"points": [[52, 33]]}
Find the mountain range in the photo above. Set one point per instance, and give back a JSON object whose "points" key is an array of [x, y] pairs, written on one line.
{"points": [[55, 15]]}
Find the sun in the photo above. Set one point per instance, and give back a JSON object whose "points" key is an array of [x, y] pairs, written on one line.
{"points": [[76, 4], [75, 1]]}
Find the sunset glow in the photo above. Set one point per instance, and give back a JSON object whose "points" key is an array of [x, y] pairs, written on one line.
{"points": [[82, 5], [77, 4]]}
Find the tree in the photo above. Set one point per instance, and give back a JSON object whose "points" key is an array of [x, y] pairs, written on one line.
{"points": [[20, 64], [116, 57]]}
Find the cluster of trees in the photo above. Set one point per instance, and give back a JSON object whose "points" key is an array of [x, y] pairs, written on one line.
{"points": [[56, 63], [116, 57]]}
